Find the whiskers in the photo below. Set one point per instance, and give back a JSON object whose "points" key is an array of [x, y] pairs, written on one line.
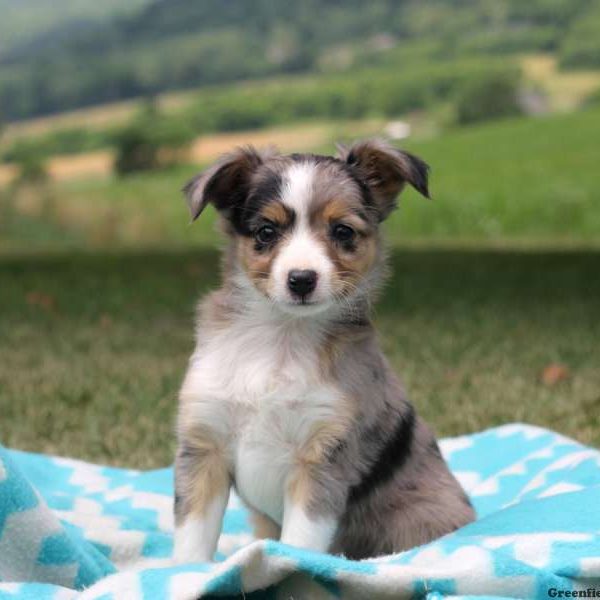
{"points": [[256, 273], [344, 299], [352, 301]]}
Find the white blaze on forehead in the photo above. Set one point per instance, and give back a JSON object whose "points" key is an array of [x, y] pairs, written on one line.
{"points": [[298, 185], [302, 249]]}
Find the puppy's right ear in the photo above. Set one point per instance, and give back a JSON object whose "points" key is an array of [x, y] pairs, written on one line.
{"points": [[225, 184], [385, 171]]}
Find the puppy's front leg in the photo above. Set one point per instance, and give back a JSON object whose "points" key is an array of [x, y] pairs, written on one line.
{"points": [[309, 517], [202, 485], [305, 530]]}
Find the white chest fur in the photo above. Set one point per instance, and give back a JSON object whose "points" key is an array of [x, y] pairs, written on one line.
{"points": [[258, 386]]}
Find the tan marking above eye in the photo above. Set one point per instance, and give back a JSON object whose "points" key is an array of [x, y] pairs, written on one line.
{"points": [[276, 213], [336, 210], [340, 211]]}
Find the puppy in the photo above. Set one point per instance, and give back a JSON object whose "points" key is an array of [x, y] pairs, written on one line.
{"points": [[287, 395]]}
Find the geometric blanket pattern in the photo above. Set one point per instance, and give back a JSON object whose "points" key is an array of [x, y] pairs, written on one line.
{"points": [[70, 529]]}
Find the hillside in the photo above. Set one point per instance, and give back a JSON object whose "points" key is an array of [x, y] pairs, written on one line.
{"points": [[32, 23], [530, 179], [177, 44]]}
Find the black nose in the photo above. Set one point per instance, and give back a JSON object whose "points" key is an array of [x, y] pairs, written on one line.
{"points": [[302, 283]]}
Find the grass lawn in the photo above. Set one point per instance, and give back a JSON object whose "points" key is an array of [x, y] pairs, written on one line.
{"points": [[93, 343], [93, 346]]}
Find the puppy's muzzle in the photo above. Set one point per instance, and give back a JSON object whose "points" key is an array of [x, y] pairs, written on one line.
{"points": [[301, 283]]}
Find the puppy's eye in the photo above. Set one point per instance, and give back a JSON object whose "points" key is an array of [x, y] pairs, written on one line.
{"points": [[266, 234], [342, 233]]}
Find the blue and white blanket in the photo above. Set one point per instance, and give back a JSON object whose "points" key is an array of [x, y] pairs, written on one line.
{"points": [[69, 529]]}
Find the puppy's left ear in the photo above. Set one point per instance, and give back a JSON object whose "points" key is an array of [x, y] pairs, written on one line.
{"points": [[385, 171], [226, 183]]}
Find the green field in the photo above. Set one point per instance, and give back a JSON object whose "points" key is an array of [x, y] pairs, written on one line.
{"points": [[94, 346], [98, 281], [531, 180]]}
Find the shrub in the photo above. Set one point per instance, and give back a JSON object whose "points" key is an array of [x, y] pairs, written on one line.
{"points": [[519, 39], [149, 142], [136, 151], [61, 141], [30, 164], [583, 53], [592, 99], [581, 46], [488, 97], [366, 92]]}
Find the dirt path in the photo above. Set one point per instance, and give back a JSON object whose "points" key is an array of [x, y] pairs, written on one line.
{"points": [[61, 168], [566, 89], [206, 148]]}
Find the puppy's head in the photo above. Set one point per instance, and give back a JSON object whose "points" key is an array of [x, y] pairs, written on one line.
{"points": [[305, 228]]}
